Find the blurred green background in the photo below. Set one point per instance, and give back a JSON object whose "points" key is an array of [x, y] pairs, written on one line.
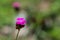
{"points": [[7, 14]]}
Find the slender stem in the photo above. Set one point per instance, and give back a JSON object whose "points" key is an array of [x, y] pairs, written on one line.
{"points": [[17, 35]]}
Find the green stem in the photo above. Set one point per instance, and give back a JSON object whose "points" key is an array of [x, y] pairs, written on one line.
{"points": [[17, 35]]}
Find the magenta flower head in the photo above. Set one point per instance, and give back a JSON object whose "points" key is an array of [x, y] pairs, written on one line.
{"points": [[20, 22], [16, 6]]}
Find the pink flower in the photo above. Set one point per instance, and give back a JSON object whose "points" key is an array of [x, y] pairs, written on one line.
{"points": [[21, 21], [16, 4]]}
